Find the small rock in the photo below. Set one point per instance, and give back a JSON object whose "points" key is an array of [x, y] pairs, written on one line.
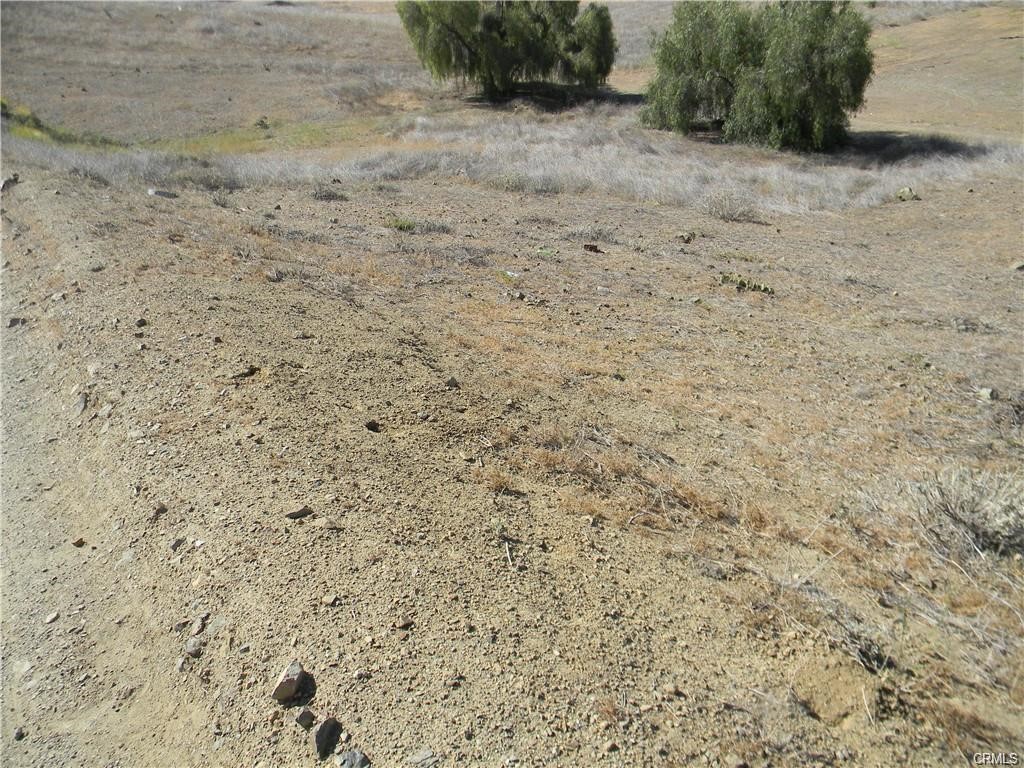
{"points": [[906, 194], [352, 759], [306, 718], [177, 543], [330, 600], [194, 647], [1018, 267], [987, 393], [180, 666], [373, 425], [79, 542], [610, 746], [273, 276], [16, 321], [199, 625], [425, 758], [452, 383], [141, 322], [19, 734], [592, 248], [289, 683], [245, 373], [687, 237], [404, 622], [325, 737], [329, 524], [670, 690], [161, 193], [80, 405], [52, 617], [297, 514]]}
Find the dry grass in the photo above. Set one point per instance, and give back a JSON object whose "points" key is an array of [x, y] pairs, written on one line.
{"points": [[938, 542], [589, 149], [896, 13]]}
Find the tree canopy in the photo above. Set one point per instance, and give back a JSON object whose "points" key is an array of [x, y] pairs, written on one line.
{"points": [[499, 44], [784, 74]]}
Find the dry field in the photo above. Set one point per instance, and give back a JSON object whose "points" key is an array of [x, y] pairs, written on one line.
{"points": [[620, 448]]}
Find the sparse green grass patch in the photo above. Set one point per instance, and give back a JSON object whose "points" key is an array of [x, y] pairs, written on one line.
{"points": [[746, 283], [418, 227], [24, 123]]}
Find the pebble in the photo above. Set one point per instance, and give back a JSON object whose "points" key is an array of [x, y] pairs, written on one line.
{"points": [[354, 758], [306, 718], [452, 383], [141, 322], [330, 600], [199, 624], [52, 617], [425, 758], [297, 514], [289, 682], [404, 622], [19, 734], [79, 542], [194, 647]]}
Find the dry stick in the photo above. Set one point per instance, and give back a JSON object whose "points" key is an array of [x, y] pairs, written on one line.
{"points": [[864, 697], [508, 555], [805, 579], [638, 515]]}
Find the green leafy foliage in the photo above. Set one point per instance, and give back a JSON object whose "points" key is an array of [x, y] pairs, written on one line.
{"points": [[785, 74], [499, 44]]}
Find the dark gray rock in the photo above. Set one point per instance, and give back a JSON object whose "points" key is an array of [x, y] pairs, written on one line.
{"points": [[325, 737], [306, 718], [297, 514]]}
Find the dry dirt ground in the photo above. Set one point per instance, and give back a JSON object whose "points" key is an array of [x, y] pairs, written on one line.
{"points": [[576, 498]]}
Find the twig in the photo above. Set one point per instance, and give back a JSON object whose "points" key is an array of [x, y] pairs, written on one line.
{"points": [[508, 554], [638, 515], [867, 709]]}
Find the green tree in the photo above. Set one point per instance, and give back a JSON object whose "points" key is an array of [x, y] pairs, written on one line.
{"points": [[499, 44], [785, 74]]}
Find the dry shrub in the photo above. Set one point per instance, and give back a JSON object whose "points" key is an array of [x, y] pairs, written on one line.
{"points": [[496, 480]]}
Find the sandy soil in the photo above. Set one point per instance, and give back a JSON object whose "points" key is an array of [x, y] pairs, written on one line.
{"points": [[569, 506]]}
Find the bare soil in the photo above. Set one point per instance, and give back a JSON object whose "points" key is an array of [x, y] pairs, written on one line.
{"points": [[575, 499]]}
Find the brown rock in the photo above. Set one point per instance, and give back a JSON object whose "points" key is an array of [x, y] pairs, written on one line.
{"points": [[289, 683]]}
